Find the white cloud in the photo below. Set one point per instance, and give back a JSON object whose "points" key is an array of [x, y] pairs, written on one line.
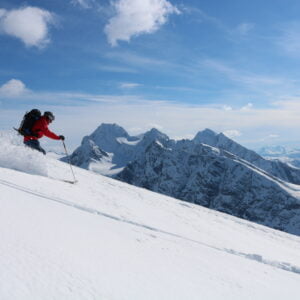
{"points": [[289, 40], [273, 136], [138, 114], [135, 17], [204, 17], [129, 85], [248, 106], [30, 24], [239, 31], [134, 59], [116, 69], [2, 12], [83, 3], [244, 28], [246, 78], [232, 133], [13, 88], [154, 125], [269, 137], [227, 107]]}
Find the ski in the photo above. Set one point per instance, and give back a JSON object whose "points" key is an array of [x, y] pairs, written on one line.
{"points": [[68, 181], [64, 180]]}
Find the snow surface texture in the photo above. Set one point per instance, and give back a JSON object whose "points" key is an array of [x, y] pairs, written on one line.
{"points": [[15, 156], [104, 239]]}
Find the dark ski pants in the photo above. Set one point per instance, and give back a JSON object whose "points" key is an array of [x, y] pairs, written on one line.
{"points": [[35, 144]]}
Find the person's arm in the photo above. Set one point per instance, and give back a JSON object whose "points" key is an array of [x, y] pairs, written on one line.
{"points": [[51, 134]]}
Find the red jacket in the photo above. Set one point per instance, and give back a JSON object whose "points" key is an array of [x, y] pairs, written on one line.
{"points": [[40, 128]]}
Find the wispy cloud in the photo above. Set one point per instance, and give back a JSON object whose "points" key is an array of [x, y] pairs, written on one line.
{"points": [[134, 59], [273, 136], [232, 133], [243, 29], [252, 86], [133, 18], [177, 119], [227, 107], [83, 3], [248, 106], [289, 41], [116, 69], [29, 24], [129, 85], [15, 89], [247, 78], [203, 16]]}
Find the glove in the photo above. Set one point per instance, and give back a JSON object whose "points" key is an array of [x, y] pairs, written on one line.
{"points": [[61, 137]]}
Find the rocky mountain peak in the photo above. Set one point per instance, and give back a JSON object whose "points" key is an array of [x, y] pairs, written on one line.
{"points": [[206, 136], [109, 130], [155, 134]]}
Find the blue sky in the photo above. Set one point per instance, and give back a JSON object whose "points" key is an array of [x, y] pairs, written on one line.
{"points": [[180, 66]]}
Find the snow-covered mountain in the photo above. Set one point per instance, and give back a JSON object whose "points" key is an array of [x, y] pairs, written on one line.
{"points": [[283, 154], [216, 179], [104, 239], [110, 148], [272, 151], [211, 170], [274, 167]]}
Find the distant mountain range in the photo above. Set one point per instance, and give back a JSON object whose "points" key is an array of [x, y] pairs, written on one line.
{"points": [[286, 155], [211, 170]]}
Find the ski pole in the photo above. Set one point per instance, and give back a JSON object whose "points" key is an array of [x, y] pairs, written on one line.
{"points": [[69, 160]]}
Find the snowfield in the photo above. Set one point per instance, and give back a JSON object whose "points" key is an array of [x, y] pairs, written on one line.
{"points": [[104, 239]]}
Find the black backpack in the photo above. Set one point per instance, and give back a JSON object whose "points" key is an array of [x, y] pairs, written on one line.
{"points": [[28, 122]]}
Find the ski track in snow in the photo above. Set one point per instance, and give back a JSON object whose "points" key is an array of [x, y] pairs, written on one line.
{"points": [[255, 257]]}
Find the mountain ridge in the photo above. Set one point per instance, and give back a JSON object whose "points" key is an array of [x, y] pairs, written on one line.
{"points": [[218, 180], [123, 148], [210, 170]]}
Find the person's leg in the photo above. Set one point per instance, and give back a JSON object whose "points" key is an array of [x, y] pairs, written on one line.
{"points": [[35, 144]]}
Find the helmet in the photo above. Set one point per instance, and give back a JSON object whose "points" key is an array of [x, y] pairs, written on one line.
{"points": [[49, 115]]}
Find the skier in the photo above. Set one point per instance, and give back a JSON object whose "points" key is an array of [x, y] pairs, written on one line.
{"points": [[39, 129]]}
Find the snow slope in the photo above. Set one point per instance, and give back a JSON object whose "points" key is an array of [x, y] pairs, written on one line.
{"points": [[104, 239]]}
